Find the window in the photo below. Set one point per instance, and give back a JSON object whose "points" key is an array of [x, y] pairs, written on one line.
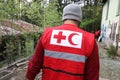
{"points": [[118, 8], [107, 9]]}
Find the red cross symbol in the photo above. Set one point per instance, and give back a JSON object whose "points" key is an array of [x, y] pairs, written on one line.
{"points": [[59, 37]]}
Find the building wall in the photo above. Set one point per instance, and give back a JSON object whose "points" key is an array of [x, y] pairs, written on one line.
{"points": [[110, 22]]}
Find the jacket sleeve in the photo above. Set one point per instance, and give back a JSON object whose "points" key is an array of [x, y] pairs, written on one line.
{"points": [[36, 62], [92, 65]]}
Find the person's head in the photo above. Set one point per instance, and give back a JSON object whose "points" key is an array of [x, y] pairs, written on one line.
{"points": [[72, 12]]}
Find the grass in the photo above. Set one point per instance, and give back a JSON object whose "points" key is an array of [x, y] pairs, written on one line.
{"points": [[112, 51]]}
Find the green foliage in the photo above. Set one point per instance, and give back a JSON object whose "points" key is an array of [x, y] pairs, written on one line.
{"points": [[10, 48], [9, 9], [86, 22], [112, 51], [91, 24], [39, 13], [32, 13], [52, 17], [18, 46], [91, 17]]}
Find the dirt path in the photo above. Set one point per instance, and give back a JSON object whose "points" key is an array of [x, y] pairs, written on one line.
{"points": [[109, 68]]}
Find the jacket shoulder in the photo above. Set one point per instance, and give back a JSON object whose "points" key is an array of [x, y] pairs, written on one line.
{"points": [[89, 41]]}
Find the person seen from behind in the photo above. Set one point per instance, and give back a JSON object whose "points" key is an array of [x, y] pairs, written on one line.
{"points": [[66, 52]]}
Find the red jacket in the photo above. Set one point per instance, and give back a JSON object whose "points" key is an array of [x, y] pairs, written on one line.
{"points": [[65, 53], [97, 33]]}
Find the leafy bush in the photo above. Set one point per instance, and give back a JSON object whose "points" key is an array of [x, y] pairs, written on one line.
{"points": [[18, 46], [112, 51]]}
